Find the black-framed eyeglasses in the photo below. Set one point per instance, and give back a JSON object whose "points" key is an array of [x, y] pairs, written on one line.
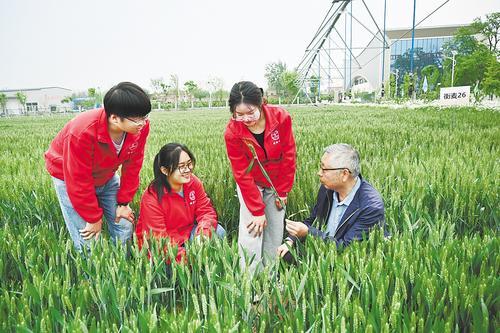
{"points": [[333, 169], [188, 167], [138, 121]]}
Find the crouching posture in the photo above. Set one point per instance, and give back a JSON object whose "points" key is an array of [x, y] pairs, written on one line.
{"points": [[83, 160], [347, 206], [175, 204]]}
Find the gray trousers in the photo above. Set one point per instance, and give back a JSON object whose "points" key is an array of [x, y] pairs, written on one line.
{"points": [[258, 251]]}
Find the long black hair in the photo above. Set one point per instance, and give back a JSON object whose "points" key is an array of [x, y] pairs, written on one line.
{"points": [[167, 157], [245, 92]]}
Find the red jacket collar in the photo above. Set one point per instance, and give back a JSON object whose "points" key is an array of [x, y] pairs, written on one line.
{"points": [[186, 188], [102, 127]]}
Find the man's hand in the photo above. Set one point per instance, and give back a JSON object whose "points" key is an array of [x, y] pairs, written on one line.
{"points": [[257, 225], [91, 230], [284, 248], [124, 212], [278, 203], [297, 229]]}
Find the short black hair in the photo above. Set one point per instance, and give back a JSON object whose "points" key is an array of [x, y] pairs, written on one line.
{"points": [[245, 92], [127, 99]]}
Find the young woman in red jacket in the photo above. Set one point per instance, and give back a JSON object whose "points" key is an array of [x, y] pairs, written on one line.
{"points": [[175, 204], [266, 131]]}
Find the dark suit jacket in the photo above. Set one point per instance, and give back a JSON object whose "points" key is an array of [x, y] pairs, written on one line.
{"points": [[365, 212]]}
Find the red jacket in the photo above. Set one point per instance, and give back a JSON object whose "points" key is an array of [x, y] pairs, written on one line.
{"points": [[278, 159], [83, 155], [175, 216]]}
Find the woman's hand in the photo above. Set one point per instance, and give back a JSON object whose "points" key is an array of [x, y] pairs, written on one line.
{"points": [[257, 225], [278, 203]]}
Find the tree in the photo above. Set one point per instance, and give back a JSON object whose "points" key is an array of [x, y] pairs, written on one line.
{"points": [[274, 75], [21, 97], [392, 86], [472, 57], [160, 89], [200, 94], [314, 85], [290, 84], [174, 84], [463, 42], [471, 69], [216, 88], [93, 98], [490, 30], [156, 84], [221, 95], [190, 87], [491, 83], [421, 60], [406, 85], [3, 101], [431, 72], [66, 99], [92, 92]]}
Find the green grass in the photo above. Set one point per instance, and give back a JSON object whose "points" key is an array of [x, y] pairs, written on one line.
{"points": [[437, 170]]}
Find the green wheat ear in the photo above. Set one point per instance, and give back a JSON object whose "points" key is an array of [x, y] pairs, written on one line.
{"points": [[264, 172]]}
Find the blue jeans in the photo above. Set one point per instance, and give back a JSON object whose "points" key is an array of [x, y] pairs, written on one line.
{"points": [[220, 232], [106, 196]]}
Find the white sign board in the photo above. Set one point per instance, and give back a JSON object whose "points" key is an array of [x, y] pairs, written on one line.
{"points": [[455, 95]]}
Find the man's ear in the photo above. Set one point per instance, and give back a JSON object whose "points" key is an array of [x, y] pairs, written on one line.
{"points": [[114, 118]]}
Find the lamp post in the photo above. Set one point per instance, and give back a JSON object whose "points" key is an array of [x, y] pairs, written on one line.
{"points": [[453, 63]]}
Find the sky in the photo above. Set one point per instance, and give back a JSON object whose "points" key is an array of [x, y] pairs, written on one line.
{"points": [[98, 43]]}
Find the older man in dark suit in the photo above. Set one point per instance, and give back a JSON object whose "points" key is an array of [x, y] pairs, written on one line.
{"points": [[347, 207]]}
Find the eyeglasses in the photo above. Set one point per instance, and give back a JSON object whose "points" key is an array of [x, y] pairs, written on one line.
{"points": [[254, 114], [188, 167], [333, 169], [138, 121]]}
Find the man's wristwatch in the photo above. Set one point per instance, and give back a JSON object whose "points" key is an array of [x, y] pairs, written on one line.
{"points": [[122, 204]]}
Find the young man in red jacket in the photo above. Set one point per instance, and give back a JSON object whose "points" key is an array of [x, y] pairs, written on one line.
{"points": [[83, 159]]}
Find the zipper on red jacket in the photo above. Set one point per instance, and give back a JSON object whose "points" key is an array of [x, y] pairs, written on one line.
{"points": [[123, 145]]}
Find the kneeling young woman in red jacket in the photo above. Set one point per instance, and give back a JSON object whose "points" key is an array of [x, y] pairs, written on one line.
{"points": [[175, 204]]}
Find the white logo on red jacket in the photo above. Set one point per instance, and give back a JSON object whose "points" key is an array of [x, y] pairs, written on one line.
{"points": [[133, 146], [275, 136], [192, 196]]}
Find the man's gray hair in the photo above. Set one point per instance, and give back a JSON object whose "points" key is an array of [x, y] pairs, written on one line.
{"points": [[344, 156]]}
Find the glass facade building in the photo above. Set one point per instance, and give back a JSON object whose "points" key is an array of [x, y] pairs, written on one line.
{"points": [[427, 51]]}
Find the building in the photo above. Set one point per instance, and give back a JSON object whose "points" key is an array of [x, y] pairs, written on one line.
{"points": [[428, 44], [46, 99]]}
